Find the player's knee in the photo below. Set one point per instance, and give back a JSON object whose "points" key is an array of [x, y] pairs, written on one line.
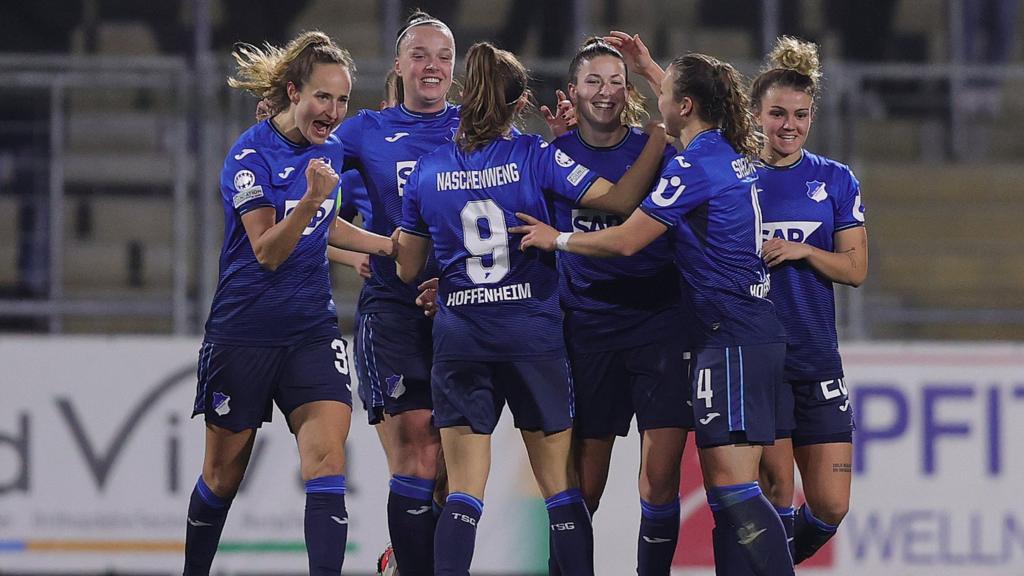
{"points": [[659, 485], [831, 511], [325, 462], [222, 481]]}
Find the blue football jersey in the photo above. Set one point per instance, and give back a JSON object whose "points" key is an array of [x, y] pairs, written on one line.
{"points": [[707, 198], [614, 303], [809, 202], [495, 302], [354, 199], [252, 306], [384, 147]]}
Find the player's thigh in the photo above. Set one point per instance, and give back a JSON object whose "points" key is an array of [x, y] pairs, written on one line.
{"points": [[593, 458], [777, 472], [661, 452], [826, 472], [411, 443]]}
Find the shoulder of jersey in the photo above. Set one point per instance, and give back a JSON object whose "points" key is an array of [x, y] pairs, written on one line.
{"points": [[833, 167]]}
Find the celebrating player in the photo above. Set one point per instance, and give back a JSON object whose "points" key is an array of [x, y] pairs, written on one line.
{"points": [[498, 329], [814, 236], [624, 323], [272, 334], [707, 197], [394, 339]]}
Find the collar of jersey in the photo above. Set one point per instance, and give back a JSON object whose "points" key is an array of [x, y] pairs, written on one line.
{"points": [[788, 166], [424, 114], [282, 136], [701, 135], [615, 146]]}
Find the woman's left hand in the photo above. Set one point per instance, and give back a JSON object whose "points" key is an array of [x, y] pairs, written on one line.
{"points": [[536, 234], [776, 251]]}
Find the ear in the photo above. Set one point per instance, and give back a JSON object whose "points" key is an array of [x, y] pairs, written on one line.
{"points": [[293, 93], [687, 107], [398, 67], [572, 93]]}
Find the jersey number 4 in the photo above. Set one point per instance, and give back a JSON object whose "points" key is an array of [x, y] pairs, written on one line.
{"points": [[493, 247]]}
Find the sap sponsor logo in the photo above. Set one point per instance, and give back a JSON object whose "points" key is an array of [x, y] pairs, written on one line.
{"points": [[244, 196], [588, 220], [244, 179], [464, 518], [221, 403], [402, 171], [245, 152], [325, 210], [284, 174], [396, 385], [397, 136], [816, 191], [659, 195], [563, 526], [929, 417], [792, 230], [563, 159]]}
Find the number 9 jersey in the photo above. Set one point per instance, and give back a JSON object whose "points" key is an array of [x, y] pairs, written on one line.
{"points": [[495, 302]]}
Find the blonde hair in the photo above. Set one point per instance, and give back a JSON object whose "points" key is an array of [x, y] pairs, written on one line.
{"points": [[265, 72], [495, 83], [719, 90], [792, 63], [634, 113]]}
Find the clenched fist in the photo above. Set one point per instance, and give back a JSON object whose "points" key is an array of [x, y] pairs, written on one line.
{"points": [[321, 180]]}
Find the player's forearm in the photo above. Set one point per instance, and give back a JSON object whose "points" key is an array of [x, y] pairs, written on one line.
{"points": [[607, 243], [627, 193], [848, 267], [411, 257], [654, 75], [347, 236], [346, 257], [276, 244]]}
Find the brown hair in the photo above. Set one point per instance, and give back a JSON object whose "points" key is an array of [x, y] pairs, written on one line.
{"points": [[419, 18], [718, 90], [792, 63], [634, 114], [266, 72], [393, 86], [495, 82]]}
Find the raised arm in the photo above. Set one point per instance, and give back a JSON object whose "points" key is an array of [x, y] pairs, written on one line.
{"points": [[623, 196], [638, 57], [272, 242]]}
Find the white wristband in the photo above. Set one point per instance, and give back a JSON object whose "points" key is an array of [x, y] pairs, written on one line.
{"points": [[562, 241]]}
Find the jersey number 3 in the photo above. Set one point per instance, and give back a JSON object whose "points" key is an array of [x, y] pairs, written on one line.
{"points": [[494, 246]]}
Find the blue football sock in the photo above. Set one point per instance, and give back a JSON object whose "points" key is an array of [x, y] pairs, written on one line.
{"points": [[326, 525], [572, 535], [206, 515], [411, 522], [742, 514], [809, 534], [788, 516], [456, 535], [659, 533]]}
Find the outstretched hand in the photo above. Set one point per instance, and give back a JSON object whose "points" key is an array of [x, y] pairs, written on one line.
{"points": [[536, 234], [564, 117], [637, 56]]}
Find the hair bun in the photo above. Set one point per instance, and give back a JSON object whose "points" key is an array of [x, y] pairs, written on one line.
{"points": [[797, 55]]}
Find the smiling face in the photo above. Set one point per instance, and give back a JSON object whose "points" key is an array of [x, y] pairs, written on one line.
{"points": [[322, 103], [599, 92], [426, 61], [785, 115]]}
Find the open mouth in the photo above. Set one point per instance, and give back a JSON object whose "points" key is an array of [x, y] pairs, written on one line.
{"points": [[603, 105], [321, 129], [431, 81]]}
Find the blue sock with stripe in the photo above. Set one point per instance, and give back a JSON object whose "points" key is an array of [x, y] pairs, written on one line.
{"points": [[743, 515], [455, 537], [788, 516], [206, 515], [809, 534], [411, 523], [553, 569], [326, 525], [572, 535], [659, 534]]}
